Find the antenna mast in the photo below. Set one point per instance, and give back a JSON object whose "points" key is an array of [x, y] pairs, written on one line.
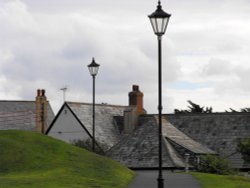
{"points": [[64, 89]]}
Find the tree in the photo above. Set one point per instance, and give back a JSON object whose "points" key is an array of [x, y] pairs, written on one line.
{"points": [[244, 110], [194, 108]]}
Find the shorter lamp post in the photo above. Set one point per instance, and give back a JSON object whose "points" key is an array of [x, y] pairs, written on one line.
{"points": [[159, 21], [93, 69]]}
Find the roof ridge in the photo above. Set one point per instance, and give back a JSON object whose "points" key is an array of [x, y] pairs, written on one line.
{"points": [[97, 104], [208, 114], [17, 101]]}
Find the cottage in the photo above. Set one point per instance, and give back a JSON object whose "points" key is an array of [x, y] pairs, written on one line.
{"points": [[128, 132], [139, 149], [26, 115], [74, 122], [218, 131]]}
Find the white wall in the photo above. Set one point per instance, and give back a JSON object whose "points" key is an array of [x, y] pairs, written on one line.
{"points": [[67, 128]]}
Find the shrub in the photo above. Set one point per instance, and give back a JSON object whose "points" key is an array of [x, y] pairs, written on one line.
{"points": [[244, 148], [87, 144], [215, 164]]}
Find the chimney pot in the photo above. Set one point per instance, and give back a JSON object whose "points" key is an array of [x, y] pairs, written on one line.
{"points": [[38, 93], [43, 92], [135, 88]]}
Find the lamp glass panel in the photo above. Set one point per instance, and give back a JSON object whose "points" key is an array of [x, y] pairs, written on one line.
{"points": [[93, 70], [159, 25], [165, 24], [154, 24], [159, 22]]}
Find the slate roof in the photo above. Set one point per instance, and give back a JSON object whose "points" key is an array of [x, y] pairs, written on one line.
{"points": [[218, 131], [106, 130], [20, 115], [175, 135], [140, 148]]}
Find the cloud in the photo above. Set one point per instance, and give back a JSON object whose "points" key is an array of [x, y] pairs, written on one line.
{"points": [[217, 67], [48, 44], [226, 78]]}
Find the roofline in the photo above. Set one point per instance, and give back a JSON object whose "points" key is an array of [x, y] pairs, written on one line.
{"points": [[103, 104], [210, 114], [17, 101], [202, 114]]}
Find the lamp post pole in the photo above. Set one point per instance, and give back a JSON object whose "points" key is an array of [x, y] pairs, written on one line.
{"points": [[159, 21], [93, 69], [93, 114], [160, 177]]}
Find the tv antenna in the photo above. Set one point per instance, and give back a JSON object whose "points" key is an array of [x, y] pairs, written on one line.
{"points": [[64, 89]]}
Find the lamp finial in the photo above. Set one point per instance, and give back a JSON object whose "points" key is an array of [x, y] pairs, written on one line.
{"points": [[159, 5]]}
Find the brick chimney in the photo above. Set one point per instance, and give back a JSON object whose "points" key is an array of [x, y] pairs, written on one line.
{"points": [[134, 110], [136, 100], [41, 111]]}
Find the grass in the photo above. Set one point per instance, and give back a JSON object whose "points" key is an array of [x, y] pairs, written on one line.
{"points": [[32, 160], [221, 181]]}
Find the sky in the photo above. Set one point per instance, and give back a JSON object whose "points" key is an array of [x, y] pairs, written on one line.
{"points": [[48, 44]]}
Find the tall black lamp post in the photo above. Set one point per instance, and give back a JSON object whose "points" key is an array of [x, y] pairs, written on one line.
{"points": [[93, 69], [159, 21]]}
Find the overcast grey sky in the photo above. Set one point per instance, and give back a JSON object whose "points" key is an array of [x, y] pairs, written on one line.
{"points": [[49, 43]]}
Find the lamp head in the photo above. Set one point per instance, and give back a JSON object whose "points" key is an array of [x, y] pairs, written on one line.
{"points": [[93, 67], [159, 20]]}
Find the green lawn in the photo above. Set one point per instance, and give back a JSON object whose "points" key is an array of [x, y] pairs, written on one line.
{"points": [[30, 160], [221, 181]]}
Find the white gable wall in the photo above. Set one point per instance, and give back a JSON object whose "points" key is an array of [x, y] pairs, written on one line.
{"points": [[67, 128]]}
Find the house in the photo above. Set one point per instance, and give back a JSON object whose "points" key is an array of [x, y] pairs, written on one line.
{"points": [[139, 149], [128, 132], [74, 122], [130, 135], [218, 131], [26, 115]]}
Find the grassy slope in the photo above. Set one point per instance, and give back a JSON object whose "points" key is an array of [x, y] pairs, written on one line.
{"points": [[221, 181], [33, 160]]}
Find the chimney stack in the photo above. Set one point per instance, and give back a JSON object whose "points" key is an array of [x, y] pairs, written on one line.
{"points": [[134, 110], [41, 111], [136, 100]]}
